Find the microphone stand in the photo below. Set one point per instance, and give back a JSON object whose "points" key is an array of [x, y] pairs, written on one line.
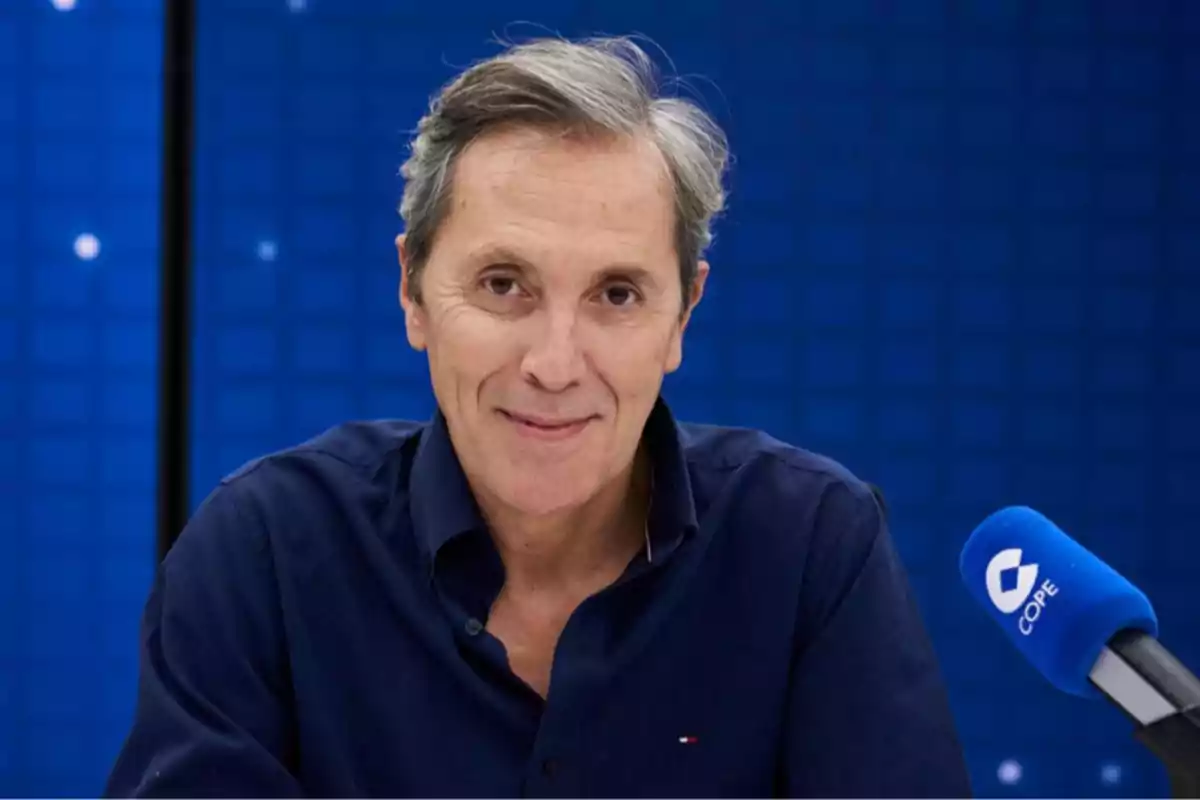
{"points": [[1162, 697], [1176, 742]]}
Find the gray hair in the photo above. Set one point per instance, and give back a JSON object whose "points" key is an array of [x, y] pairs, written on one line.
{"points": [[594, 86]]}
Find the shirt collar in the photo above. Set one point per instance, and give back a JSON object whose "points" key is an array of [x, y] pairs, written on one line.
{"points": [[672, 506], [441, 500], [443, 506]]}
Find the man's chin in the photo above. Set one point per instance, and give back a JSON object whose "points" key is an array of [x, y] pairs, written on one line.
{"points": [[541, 493]]}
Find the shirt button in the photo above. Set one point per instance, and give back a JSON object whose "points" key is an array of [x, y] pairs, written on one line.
{"points": [[549, 767], [473, 627]]}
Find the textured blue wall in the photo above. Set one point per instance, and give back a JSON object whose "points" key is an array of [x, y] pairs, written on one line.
{"points": [[961, 257], [79, 154]]}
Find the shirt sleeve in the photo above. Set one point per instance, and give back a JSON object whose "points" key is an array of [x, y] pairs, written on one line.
{"points": [[212, 718], [868, 714]]}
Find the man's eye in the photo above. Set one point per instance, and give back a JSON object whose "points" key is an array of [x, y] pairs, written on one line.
{"points": [[621, 295], [501, 286]]}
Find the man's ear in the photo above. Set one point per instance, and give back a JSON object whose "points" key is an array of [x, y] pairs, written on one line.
{"points": [[696, 295], [675, 355], [414, 313]]}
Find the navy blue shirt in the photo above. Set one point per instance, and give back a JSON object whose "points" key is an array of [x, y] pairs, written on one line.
{"points": [[318, 629]]}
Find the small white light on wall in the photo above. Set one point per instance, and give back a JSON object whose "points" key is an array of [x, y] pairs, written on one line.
{"points": [[297, 6], [1110, 774], [267, 250], [63, 5], [87, 246], [1009, 772]]}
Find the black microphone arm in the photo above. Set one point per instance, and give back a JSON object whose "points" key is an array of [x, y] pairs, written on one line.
{"points": [[1160, 695]]}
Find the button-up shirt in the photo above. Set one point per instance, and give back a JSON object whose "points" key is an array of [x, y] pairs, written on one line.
{"points": [[320, 628]]}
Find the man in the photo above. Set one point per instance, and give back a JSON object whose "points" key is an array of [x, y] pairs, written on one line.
{"points": [[553, 588]]}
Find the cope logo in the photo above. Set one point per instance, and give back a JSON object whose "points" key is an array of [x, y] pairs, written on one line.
{"points": [[1010, 586]]}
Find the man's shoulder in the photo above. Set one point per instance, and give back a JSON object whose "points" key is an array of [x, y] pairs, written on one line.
{"points": [[300, 494], [799, 514], [715, 449], [357, 446], [750, 481]]}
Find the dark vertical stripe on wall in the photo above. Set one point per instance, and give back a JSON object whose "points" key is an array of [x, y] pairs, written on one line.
{"points": [[175, 306]]}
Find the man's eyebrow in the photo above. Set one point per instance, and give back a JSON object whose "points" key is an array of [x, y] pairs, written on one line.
{"points": [[497, 255], [628, 272]]}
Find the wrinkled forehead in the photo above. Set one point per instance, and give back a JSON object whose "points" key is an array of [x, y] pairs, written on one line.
{"points": [[587, 190]]}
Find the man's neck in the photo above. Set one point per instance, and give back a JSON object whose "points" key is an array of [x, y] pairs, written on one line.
{"points": [[581, 546]]}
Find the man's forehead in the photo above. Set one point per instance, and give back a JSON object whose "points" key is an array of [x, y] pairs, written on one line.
{"points": [[526, 160], [532, 199]]}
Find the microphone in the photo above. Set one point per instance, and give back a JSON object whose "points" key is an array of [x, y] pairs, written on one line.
{"points": [[1088, 630]]}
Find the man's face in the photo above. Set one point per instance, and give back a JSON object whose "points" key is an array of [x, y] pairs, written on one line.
{"points": [[550, 310]]}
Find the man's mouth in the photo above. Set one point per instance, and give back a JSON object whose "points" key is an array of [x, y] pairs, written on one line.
{"points": [[546, 427]]}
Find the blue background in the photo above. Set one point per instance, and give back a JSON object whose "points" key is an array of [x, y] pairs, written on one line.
{"points": [[962, 257], [80, 144]]}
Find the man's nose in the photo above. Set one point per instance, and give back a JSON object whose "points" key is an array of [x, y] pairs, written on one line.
{"points": [[554, 360]]}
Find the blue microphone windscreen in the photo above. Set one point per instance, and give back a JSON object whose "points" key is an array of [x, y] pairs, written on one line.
{"points": [[1057, 602]]}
